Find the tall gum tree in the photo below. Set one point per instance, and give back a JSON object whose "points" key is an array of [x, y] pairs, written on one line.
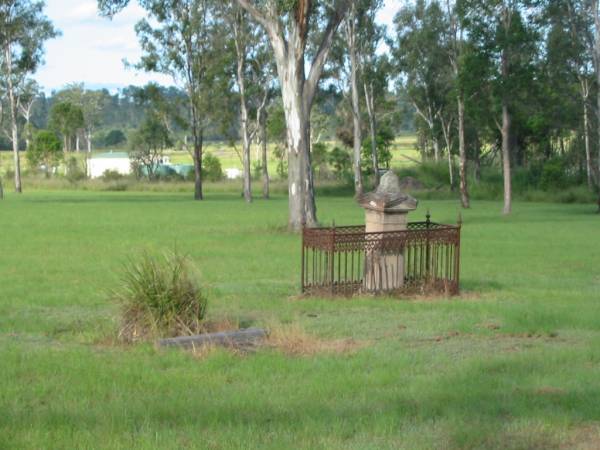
{"points": [[455, 44], [420, 56], [374, 70], [288, 25], [181, 39], [23, 30], [501, 35], [351, 26]]}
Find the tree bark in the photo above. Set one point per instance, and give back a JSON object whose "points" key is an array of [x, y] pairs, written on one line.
{"points": [[13, 117], [357, 141], [588, 153], [596, 58], [297, 91], [446, 130], [198, 174], [241, 62], [370, 102], [262, 126], [506, 123], [436, 149], [89, 141], [462, 154]]}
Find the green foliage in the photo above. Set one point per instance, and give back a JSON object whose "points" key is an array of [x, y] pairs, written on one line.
{"points": [[45, 150], [282, 164], [554, 175], [160, 296], [66, 118], [114, 138], [319, 159], [146, 147], [341, 163], [384, 141], [74, 173], [211, 168]]}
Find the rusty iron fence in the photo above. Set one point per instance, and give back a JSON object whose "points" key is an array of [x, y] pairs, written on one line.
{"points": [[346, 260]]}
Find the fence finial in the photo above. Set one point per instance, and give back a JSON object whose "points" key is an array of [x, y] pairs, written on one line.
{"points": [[428, 216], [459, 220]]}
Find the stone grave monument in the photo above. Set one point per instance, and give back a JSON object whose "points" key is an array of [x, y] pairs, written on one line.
{"points": [[386, 210]]}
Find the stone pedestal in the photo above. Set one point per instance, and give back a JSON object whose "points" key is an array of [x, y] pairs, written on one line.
{"points": [[386, 210]]}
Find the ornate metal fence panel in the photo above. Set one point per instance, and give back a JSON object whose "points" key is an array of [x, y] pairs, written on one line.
{"points": [[424, 258]]}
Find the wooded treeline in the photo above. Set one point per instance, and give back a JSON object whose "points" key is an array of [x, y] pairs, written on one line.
{"points": [[501, 83]]}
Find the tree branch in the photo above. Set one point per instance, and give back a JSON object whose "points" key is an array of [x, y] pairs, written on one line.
{"points": [[318, 62]]}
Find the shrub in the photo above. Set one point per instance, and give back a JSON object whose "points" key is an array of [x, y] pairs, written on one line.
{"points": [[553, 175], [340, 160], [46, 151], [160, 296], [74, 172], [111, 175], [211, 168], [114, 138]]}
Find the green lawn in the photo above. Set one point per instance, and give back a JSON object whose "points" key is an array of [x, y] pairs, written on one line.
{"points": [[514, 363]]}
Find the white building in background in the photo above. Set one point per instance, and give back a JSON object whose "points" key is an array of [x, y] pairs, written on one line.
{"points": [[233, 173], [114, 161]]}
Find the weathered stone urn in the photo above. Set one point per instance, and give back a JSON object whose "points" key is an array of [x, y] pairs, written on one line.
{"points": [[386, 209]]}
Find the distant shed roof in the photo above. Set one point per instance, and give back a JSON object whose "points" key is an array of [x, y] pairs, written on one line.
{"points": [[111, 155]]}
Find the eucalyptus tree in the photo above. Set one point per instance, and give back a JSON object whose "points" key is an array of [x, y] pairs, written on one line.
{"points": [[419, 52], [181, 38], [570, 51], [66, 118], [264, 76], [502, 36], [28, 96], [456, 43], [253, 81], [91, 104], [375, 70], [352, 24], [593, 8], [289, 25], [23, 30], [242, 37]]}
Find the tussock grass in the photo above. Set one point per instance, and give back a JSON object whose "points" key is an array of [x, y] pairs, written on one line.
{"points": [[160, 296]]}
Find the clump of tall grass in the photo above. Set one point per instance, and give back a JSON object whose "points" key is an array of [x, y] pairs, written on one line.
{"points": [[160, 296]]}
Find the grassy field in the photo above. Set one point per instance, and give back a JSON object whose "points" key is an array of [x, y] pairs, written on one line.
{"points": [[513, 363], [403, 147]]}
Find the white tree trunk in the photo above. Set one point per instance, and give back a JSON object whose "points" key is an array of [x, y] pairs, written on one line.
{"points": [[13, 117], [588, 153], [297, 91], [446, 130], [88, 138], [302, 208], [370, 102], [262, 127], [356, 122], [436, 148], [240, 48]]}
